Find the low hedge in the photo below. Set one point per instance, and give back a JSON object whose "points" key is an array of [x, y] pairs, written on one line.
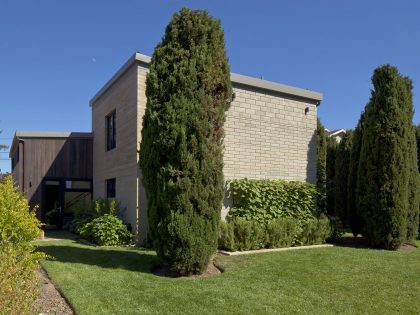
{"points": [[240, 234], [265, 200]]}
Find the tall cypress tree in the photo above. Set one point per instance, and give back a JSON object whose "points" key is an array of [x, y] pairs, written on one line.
{"points": [[342, 166], [321, 166], [418, 144], [188, 91], [386, 161], [332, 146], [353, 215]]}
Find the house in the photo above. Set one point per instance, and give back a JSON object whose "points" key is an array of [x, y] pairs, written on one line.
{"points": [[270, 132], [337, 135]]}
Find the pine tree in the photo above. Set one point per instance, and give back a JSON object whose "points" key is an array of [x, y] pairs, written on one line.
{"points": [[188, 91], [321, 171], [332, 146], [342, 167], [386, 161]]}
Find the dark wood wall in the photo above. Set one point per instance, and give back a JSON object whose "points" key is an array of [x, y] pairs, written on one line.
{"points": [[54, 158]]}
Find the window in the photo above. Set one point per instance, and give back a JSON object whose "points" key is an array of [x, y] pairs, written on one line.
{"points": [[15, 159], [77, 184], [110, 188], [111, 131]]}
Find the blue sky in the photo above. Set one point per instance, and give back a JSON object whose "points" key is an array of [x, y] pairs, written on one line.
{"points": [[55, 55]]}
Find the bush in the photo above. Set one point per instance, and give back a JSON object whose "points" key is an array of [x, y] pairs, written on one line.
{"points": [[282, 232], [18, 227], [226, 236], [96, 209], [315, 231], [188, 91], [240, 234], [265, 200], [336, 230], [248, 234], [107, 230]]}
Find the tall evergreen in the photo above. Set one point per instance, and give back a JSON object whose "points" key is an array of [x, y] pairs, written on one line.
{"points": [[332, 146], [353, 215], [385, 171], [342, 166], [188, 91], [321, 166], [418, 144]]}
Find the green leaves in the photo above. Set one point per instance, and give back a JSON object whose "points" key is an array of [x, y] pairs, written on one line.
{"points": [[266, 200], [107, 230], [18, 259]]}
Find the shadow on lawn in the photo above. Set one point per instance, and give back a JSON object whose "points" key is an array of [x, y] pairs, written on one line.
{"points": [[131, 259]]}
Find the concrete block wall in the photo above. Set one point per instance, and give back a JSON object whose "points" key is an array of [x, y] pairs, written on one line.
{"points": [[121, 162], [269, 136]]}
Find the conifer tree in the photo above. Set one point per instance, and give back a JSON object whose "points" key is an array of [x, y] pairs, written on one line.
{"points": [[188, 91], [418, 144], [321, 166], [332, 146], [342, 167], [355, 219], [385, 171]]}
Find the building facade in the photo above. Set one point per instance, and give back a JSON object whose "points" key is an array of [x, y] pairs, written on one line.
{"points": [[270, 132]]}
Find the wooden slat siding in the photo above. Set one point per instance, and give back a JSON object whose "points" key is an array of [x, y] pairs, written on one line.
{"points": [[55, 158]]}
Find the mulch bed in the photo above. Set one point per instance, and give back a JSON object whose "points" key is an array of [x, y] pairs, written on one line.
{"points": [[212, 270], [50, 300]]}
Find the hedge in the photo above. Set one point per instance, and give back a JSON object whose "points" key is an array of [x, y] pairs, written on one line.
{"points": [[240, 234], [265, 200]]}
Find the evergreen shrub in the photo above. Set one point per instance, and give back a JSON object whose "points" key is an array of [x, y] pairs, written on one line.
{"points": [[388, 178], [315, 231], [188, 91], [321, 166], [282, 232]]}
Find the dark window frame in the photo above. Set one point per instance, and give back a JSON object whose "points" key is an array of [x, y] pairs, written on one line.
{"points": [[111, 189], [15, 159], [111, 130]]}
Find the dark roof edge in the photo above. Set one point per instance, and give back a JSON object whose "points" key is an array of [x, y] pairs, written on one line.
{"points": [[235, 78]]}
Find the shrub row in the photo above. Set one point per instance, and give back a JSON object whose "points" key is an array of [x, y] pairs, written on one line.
{"points": [[99, 223], [266, 200], [240, 234]]}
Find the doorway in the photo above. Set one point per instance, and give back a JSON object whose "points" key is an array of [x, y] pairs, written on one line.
{"points": [[62, 198]]}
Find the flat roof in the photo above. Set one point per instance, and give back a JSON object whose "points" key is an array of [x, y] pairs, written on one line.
{"points": [[52, 134], [47, 134], [235, 78]]}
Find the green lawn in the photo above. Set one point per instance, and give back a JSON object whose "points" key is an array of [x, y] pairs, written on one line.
{"points": [[340, 280]]}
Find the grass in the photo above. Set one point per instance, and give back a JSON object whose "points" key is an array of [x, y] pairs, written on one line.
{"points": [[340, 280]]}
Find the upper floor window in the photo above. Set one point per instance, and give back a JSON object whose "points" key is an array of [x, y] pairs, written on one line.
{"points": [[111, 140], [15, 158]]}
